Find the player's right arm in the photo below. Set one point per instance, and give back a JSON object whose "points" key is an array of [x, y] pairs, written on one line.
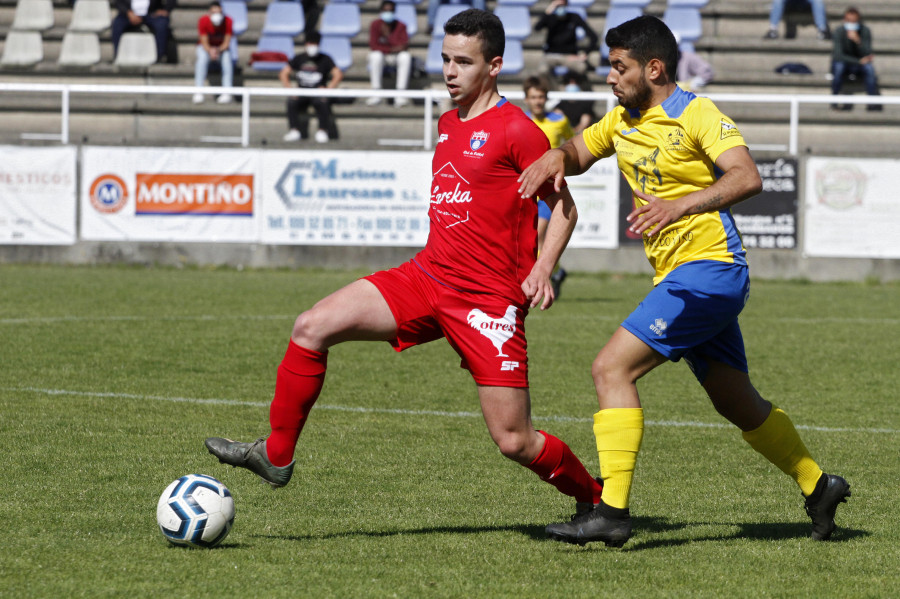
{"points": [[571, 158]]}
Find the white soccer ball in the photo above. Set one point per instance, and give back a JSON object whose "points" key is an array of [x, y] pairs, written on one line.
{"points": [[196, 511]]}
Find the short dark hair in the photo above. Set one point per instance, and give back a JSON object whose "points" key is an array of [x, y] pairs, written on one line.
{"points": [[215, 3], [535, 82], [313, 37], [386, 2], [646, 38], [481, 24]]}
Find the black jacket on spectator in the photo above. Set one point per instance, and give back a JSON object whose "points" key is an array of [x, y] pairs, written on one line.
{"points": [[561, 33]]}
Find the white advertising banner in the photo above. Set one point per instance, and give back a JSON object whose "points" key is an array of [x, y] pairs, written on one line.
{"points": [[596, 195], [37, 195], [345, 198], [169, 194], [852, 210]]}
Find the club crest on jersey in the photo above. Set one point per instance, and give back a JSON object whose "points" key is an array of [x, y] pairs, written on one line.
{"points": [[478, 140]]}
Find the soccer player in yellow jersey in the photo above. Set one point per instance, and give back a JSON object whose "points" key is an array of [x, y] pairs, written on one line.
{"points": [[556, 127], [687, 163]]}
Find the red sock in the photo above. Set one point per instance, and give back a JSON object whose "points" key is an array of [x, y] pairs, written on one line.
{"points": [[297, 386], [558, 466]]}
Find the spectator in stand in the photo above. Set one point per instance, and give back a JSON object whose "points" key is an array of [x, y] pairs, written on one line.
{"points": [[312, 70], [434, 4], [311, 12], [693, 72], [852, 55], [817, 7], [579, 112], [214, 31], [561, 46], [388, 44], [152, 13]]}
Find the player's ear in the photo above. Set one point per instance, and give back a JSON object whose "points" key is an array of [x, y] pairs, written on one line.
{"points": [[495, 65], [656, 70]]}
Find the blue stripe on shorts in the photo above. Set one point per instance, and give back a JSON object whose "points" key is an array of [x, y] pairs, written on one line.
{"points": [[693, 313]]}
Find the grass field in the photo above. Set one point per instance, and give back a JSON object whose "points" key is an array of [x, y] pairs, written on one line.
{"points": [[112, 377]]}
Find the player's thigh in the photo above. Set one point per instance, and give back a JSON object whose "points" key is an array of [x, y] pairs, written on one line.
{"points": [[625, 358], [355, 312]]}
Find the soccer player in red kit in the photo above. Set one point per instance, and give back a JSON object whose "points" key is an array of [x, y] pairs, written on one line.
{"points": [[473, 283]]}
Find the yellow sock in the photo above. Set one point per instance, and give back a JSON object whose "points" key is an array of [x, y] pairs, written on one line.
{"points": [[779, 442], [619, 432]]}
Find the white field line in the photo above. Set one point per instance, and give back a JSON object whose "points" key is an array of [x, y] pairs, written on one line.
{"points": [[404, 412]]}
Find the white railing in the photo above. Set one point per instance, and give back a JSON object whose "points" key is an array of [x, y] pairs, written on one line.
{"points": [[430, 97]]}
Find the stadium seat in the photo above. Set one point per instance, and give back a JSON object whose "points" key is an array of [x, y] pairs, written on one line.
{"points": [[283, 18], [516, 2], [516, 21], [637, 3], [90, 15], [136, 49], [434, 62], [79, 49], [273, 43], [407, 14], [615, 16], [513, 58], [33, 15], [22, 49], [338, 47], [237, 10], [581, 3], [399, 2], [686, 3], [686, 22], [444, 12], [340, 18]]}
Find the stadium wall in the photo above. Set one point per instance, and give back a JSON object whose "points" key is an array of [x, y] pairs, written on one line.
{"points": [[820, 219]]}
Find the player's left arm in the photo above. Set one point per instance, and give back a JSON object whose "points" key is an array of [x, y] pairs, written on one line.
{"points": [[537, 286], [739, 181]]}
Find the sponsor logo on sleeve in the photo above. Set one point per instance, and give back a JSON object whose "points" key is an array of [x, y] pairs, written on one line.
{"points": [[729, 129]]}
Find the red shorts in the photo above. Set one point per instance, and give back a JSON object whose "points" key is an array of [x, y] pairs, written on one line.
{"points": [[487, 331]]}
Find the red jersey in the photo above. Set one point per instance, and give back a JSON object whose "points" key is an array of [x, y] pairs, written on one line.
{"points": [[216, 34], [483, 234]]}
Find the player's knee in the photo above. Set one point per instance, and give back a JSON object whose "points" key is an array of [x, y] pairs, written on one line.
{"points": [[515, 447], [307, 330], [603, 371]]}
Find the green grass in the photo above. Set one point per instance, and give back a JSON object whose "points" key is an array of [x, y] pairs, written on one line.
{"points": [[104, 373]]}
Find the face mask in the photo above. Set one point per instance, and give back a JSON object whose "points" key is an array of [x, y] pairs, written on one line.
{"points": [[312, 50], [216, 18], [387, 17], [561, 11], [572, 87], [851, 26]]}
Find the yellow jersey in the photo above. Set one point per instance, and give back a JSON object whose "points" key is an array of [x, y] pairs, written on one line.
{"points": [[555, 126], [669, 151]]}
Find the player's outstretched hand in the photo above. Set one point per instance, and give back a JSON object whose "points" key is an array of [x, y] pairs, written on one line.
{"points": [[550, 166], [653, 216], [538, 289]]}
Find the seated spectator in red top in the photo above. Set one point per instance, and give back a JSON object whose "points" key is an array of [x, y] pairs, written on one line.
{"points": [[388, 45], [214, 31]]}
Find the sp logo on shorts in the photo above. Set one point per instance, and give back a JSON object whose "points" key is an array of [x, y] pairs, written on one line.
{"points": [[498, 330], [509, 365]]}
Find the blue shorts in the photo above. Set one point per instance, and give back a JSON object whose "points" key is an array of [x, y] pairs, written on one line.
{"points": [[544, 211], [693, 313]]}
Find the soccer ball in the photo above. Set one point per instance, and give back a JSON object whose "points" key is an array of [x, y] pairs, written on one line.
{"points": [[196, 511]]}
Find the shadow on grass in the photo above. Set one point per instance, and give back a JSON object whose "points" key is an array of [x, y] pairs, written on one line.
{"points": [[648, 528]]}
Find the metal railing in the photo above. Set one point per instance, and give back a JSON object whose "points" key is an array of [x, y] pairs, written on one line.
{"points": [[429, 96]]}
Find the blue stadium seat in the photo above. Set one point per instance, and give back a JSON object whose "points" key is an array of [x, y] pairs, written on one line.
{"points": [[237, 10], [340, 18], [686, 22], [406, 13], [399, 2], [615, 16], [686, 3], [516, 2], [581, 3], [444, 12], [338, 47], [274, 43], [283, 18], [513, 58], [516, 21], [637, 3], [434, 62]]}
